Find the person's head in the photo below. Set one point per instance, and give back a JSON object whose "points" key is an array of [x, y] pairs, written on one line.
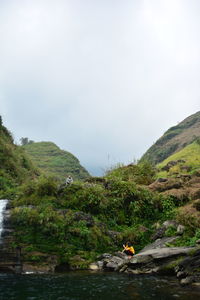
{"points": [[128, 244]]}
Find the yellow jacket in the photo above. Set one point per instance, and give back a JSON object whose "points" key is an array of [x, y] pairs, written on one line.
{"points": [[131, 249]]}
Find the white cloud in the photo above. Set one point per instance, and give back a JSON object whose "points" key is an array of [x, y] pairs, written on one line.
{"points": [[100, 78]]}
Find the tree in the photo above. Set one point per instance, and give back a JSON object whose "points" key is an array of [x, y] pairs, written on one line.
{"points": [[24, 141]]}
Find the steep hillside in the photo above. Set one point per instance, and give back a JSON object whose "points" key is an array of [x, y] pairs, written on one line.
{"points": [[15, 166], [174, 139], [54, 161], [184, 161]]}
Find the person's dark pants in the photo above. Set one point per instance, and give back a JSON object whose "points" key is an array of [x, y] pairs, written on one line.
{"points": [[128, 252]]}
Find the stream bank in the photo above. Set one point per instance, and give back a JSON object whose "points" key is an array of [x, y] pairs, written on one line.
{"points": [[156, 259]]}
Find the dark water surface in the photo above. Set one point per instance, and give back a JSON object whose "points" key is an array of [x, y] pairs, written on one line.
{"points": [[86, 286]]}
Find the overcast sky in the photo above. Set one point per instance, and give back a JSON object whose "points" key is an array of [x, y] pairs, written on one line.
{"points": [[103, 79]]}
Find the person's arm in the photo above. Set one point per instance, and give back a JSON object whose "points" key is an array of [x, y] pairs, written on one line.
{"points": [[133, 250]]}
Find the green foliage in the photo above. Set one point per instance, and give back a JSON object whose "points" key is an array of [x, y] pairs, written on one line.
{"points": [[54, 161], [188, 238], [177, 137], [85, 216], [190, 154], [16, 167], [141, 173], [171, 231], [53, 231], [191, 241], [168, 207], [46, 187]]}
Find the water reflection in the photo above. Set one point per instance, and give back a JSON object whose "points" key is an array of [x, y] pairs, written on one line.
{"points": [[86, 286]]}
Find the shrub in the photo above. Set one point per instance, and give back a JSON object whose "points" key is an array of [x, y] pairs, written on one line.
{"points": [[141, 173], [46, 186], [171, 231]]}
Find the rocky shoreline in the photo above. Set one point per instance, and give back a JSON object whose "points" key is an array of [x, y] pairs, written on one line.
{"points": [[183, 262]]}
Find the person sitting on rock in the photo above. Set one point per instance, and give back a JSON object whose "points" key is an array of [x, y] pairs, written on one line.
{"points": [[69, 180], [128, 249]]}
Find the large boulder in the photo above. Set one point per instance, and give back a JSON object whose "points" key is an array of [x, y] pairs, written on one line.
{"points": [[160, 253], [159, 243], [188, 270], [156, 258]]}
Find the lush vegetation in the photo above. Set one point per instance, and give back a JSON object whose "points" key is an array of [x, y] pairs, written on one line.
{"points": [[141, 173], [88, 218], [15, 166], [174, 139], [54, 161]]}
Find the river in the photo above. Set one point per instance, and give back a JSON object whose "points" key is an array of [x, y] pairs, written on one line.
{"points": [[88, 286]]}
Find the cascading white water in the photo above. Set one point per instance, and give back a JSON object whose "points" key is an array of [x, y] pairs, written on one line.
{"points": [[3, 204]]}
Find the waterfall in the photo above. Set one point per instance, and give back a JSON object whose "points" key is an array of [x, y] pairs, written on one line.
{"points": [[3, 204]]}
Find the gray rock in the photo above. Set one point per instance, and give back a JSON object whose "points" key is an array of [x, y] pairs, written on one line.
{"points": [[159, 233], [196, 284], [180, 229], [187, 280], [165, 252], [170, 223], [181, 274], [140, 259], [93, 267], [104, 255], [100, 264], [114, 263], [159, 243], [121, 255], [198, 242]]}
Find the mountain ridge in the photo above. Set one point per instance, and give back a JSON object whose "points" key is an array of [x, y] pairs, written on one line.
{"points": [[174, 139], [48, 157]]}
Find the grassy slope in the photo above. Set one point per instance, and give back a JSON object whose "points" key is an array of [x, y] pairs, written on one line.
{"points": [[174, 139], [54, 161], [191, 155], [15, 166]]}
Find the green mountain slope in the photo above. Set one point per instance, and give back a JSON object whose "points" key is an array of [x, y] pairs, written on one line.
{"points": [[174, 139], [184, 161], [54, 161], [15, 166]]}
